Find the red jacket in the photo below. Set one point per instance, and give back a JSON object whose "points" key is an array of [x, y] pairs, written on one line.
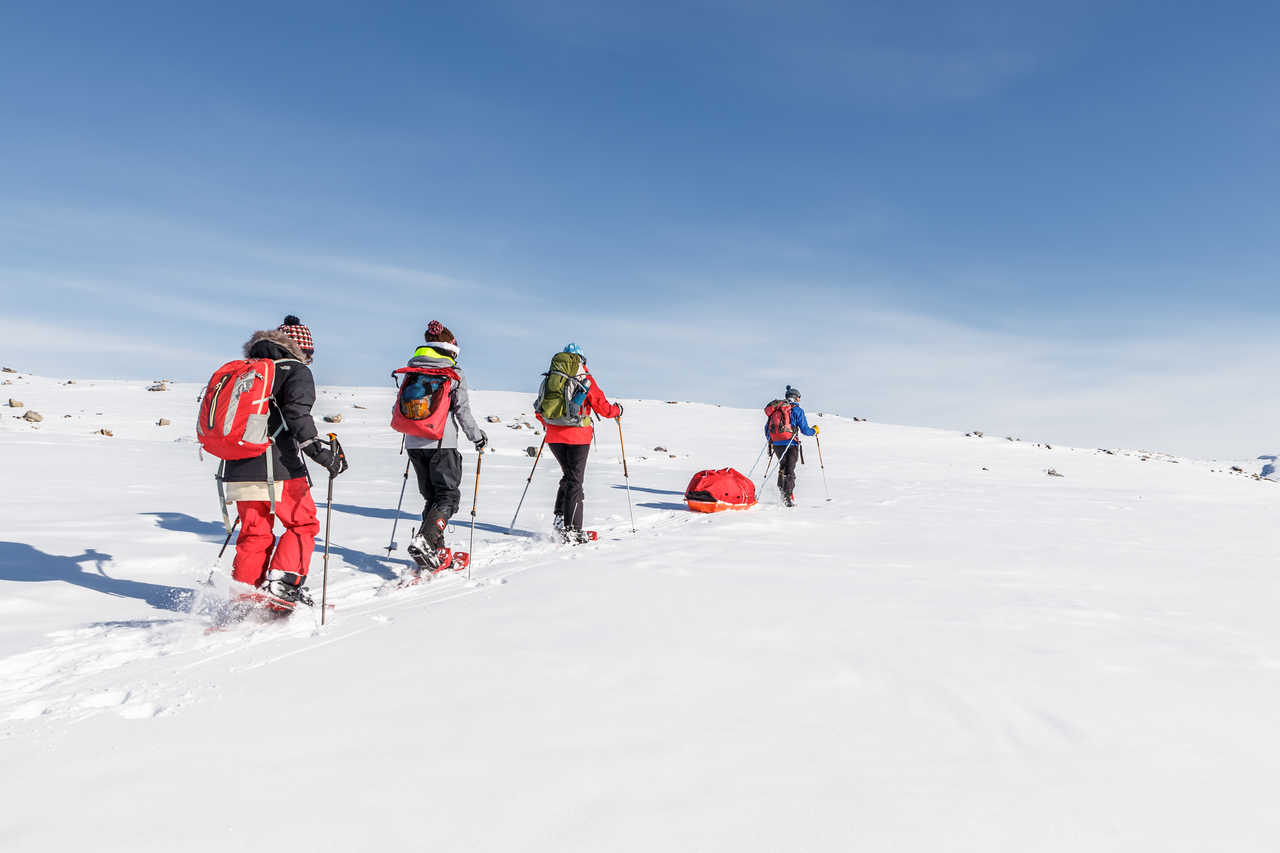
{"points": [[596, 402]]}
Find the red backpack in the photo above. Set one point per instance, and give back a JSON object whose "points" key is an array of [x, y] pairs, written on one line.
{"points": [[234, 409], [779, 425], [422, 401]]}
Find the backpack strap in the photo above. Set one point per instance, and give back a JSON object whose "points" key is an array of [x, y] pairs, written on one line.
{"points": [[222, 495], [271, 477]]}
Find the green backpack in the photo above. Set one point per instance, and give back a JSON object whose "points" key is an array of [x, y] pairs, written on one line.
{"points": [[562, 396]]}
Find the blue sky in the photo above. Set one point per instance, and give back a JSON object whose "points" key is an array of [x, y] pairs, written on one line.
{"points": [[1056, 220]]}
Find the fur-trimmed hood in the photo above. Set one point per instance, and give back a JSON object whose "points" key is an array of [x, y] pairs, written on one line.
{"points": [[278, 338]]}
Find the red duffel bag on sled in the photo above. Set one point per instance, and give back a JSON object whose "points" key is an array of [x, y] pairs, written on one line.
{"points": [[716, 491]]}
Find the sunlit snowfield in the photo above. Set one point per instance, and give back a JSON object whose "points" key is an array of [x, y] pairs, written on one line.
{"points": [[957, 652]]}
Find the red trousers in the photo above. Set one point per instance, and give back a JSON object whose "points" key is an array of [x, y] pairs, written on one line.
{"points": [[297, 512]]}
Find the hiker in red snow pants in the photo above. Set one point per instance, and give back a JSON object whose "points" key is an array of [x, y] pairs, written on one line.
{"points": [[279, 569], [297, 512]]}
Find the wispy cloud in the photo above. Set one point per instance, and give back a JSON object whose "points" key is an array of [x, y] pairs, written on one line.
{"points": [[168, 267], [894, 75], [1194, 390], [76, 348], [814, 49]]}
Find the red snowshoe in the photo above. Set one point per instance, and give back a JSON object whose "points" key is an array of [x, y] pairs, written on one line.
{"points": [[432, 563]]}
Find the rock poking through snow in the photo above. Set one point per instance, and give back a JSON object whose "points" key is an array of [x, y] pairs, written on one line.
{"points": [[494, 419], [333, 419], [15, 404], [163, 422], [33, 417]]}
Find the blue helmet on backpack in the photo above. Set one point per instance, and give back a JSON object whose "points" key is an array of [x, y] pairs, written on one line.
{"points": [[574, 349]]}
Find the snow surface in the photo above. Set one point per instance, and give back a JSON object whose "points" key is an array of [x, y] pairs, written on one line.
{"points": [[957, 652]]}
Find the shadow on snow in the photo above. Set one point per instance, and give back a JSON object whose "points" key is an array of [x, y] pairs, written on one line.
{"points": [[492, 528], [664, 505], [213, 531], [460, 521], [373, 512], [648, 490], [24, 564]]}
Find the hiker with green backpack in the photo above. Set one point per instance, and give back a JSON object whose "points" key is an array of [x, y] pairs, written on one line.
{"points": [[568, 397]]}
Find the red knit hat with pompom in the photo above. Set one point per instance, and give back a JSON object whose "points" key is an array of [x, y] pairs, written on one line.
{"points": [[301, 335]]}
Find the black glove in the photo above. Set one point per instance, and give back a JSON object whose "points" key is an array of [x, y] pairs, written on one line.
{"points": [[482, 443], [619, 406], [327, 453]]}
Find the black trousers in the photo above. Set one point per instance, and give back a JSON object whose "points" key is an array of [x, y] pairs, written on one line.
{"points": [[439, 477], [573, 464], [787, 458]]}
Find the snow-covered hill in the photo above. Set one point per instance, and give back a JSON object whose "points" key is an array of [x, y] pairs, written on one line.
{"points": [[957, 652]]}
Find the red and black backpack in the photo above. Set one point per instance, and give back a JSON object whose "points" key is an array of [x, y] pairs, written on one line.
{"points": [[232, 423], [779, 423], [235, 407]]}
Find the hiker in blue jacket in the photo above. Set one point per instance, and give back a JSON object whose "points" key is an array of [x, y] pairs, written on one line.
{"points": [[784, 427]]}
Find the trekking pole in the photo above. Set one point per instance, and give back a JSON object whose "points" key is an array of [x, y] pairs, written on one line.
{"points": [[769, 467], [626, 476], [227, 541], [759, 456], [223, 550], [527, 483], [392, 545], [328, 519], [818, 441], [475, 498], [324, 582]]}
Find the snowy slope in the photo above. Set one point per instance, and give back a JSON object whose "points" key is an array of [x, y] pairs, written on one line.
{"points": [[958, 652]]}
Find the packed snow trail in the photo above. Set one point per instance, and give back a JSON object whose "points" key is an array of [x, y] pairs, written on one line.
{"points": [[957, 652]]}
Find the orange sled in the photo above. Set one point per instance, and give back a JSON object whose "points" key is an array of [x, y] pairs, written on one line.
{"points": [[718, 490]]}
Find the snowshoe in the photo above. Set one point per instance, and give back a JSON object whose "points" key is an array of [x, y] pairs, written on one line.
{"points": [[257, 607], [432, 562], [281, 591], [424, 556], [578, 537]]}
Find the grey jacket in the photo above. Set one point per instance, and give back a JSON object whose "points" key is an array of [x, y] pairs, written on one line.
{"points": [[459, 402]]}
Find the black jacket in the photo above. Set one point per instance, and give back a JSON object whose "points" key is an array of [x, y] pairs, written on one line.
{"points": [[293, 395]]}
